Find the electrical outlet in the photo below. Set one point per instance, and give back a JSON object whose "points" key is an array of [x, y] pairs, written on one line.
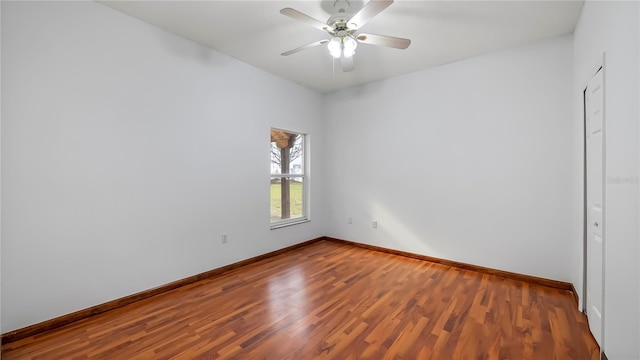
{"points": [[375, 224], [349, 220], [224, 238]]}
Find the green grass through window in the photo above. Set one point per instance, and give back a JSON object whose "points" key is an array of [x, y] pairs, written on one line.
{"points": [[296, 200]]}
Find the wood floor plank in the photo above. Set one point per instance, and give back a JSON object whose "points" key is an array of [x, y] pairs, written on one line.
{"points": [[330, 300]]}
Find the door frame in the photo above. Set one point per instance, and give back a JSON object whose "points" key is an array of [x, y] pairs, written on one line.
{"points": [[600, 65]]}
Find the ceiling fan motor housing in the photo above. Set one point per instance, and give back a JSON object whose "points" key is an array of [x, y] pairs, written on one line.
{"points": [[338, 21]]}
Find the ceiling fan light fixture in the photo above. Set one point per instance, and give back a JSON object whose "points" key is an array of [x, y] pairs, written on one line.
{"points": [[335, 47], [349, 46], [342, 46]]}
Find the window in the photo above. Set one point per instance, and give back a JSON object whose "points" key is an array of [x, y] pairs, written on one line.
{"points": [[288, 178]]}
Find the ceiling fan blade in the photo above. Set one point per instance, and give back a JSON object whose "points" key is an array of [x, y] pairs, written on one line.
{"points": [[347, 63], [383, 40], [368, 12], [295, 14], [293, 51]]}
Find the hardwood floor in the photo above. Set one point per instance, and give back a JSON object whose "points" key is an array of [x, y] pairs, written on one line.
{"points": [[334, 301]]}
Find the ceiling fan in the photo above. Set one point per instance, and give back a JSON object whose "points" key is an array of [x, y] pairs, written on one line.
{"points": [[343, 28]]}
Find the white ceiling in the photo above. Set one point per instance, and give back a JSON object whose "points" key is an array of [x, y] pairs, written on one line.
{"points": [[441, 32]]}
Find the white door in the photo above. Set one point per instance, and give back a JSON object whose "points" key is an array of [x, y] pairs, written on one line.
{"points": [[594, 116]]}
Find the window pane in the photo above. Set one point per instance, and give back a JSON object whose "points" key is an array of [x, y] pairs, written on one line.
{"points": [[287, 196], [287, 152], [288, 178]]}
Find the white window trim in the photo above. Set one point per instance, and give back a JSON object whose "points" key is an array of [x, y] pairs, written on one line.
{"points": [[277, 224]]}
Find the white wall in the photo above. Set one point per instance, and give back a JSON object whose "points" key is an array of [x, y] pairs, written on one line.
{"points": [[126, 152], [471, 161], [612, 27]]}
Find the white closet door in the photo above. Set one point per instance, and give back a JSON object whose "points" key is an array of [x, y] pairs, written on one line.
{"points": [[594, 110]]}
